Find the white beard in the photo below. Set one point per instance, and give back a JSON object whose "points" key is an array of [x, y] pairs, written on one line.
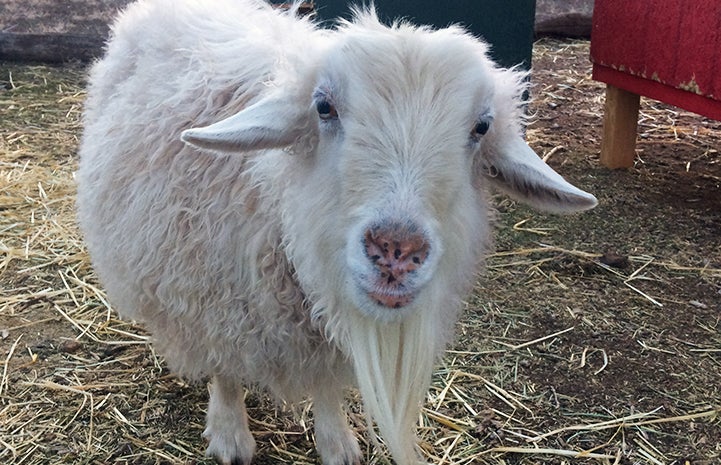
{"points": [[393, 364]]}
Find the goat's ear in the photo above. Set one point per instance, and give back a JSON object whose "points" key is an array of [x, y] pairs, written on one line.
{"points": [[515, 169], [272, 122]]}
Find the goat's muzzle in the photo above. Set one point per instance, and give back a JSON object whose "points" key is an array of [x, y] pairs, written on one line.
{"points": [[397, 251]]}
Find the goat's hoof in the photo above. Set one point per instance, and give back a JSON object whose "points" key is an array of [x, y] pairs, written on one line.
{"points": [[230, 449], [340, 449]]}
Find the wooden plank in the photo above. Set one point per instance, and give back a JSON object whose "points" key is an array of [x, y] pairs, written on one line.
{"points": [[620, 124], [51, 48]]}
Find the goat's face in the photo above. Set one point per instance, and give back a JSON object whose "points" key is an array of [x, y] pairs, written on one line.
{"points": [[395, 133], [400, 121]]}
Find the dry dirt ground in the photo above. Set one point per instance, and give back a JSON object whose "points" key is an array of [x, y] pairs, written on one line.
{"points": [[593, 338]]}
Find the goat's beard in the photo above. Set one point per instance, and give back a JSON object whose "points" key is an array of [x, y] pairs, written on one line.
{"points": [[393, 364]]}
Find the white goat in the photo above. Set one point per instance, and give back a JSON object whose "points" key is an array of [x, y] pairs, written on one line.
{"points": [[323, 231]]}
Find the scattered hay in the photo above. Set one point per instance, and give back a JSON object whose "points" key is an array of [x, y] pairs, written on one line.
{"points": [[600, 344]]}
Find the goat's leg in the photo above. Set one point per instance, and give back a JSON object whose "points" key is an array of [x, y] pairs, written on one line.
{"points": [[226, 429], [334, 439]]}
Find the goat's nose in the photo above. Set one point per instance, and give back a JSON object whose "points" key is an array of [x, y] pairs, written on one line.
{"points": [[396, 250]]}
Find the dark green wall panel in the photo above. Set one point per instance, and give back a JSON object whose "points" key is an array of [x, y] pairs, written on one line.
{"points": [[507, 25]]}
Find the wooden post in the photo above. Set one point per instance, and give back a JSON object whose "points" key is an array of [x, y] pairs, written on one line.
{"points": [[620, 124]]}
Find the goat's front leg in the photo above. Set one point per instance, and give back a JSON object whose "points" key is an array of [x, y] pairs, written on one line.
{"points": [[226, 429], [334, 439]]}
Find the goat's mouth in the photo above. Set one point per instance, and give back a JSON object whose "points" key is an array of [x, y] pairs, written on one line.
{"points": [[394, 297], [391, 301]]}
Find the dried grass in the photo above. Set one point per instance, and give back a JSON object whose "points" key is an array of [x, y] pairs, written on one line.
{"points": [[80, 386]]}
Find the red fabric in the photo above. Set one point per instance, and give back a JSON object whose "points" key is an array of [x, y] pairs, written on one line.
{"points": [[661, 43]]}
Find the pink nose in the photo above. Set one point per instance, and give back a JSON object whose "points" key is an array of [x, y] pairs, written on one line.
{"points": [[395, 251]]}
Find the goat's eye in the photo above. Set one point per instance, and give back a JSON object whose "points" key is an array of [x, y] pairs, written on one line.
{"points": [[480, 129], [326, 110]]}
